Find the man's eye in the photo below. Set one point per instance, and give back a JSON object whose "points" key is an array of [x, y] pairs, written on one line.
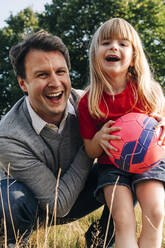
{"points": [[42, 75], [61, 72]]}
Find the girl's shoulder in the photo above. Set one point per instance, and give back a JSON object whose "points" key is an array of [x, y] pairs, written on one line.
{"points": [[83, 103], [84, 98]]}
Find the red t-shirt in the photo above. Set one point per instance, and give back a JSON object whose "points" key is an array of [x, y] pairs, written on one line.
{"points": [[118, 106]]}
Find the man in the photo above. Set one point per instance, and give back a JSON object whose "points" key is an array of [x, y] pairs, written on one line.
{"points": [[40, 145]]}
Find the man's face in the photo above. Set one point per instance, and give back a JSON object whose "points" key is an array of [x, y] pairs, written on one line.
{"points": [[47, 83]]}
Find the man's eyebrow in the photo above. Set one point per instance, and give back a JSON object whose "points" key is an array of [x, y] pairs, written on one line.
{"points": [[62, 67], [39, 71]]}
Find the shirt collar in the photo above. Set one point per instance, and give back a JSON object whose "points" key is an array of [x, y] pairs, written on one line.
{"points": [[38, 123]]}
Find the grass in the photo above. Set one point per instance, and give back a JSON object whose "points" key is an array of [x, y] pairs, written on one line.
{"points": [[72, 235], [68, 235]]}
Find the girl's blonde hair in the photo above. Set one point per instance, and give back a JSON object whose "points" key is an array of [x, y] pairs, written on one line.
{"points": [[149, 91]]}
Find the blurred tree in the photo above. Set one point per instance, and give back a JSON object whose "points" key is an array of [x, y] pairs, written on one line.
{"points": [[148, 18], [75, 21], [18, 26]]}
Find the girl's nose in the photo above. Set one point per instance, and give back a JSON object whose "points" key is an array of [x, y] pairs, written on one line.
{"points": [[114, 46]]}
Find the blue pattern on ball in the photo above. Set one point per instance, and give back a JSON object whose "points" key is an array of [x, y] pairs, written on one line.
{"points": [[142, 145]]}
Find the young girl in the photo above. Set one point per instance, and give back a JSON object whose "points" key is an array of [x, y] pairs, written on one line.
{"points": [[121, 82]]}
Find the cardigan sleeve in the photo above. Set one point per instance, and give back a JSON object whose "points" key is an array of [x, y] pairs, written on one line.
{"points": [[25, 167]]}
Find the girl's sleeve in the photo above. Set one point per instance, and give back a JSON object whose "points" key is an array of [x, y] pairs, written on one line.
{"points": [[86, 122]]}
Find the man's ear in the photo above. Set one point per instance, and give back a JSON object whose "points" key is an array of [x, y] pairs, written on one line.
{"points": [[22, 84]]}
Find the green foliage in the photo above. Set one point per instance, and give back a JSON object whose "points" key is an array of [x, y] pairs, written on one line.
{"points": [[75, 21], [18, 26], [148, 17]]}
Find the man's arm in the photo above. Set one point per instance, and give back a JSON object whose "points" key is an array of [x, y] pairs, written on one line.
{"points": [[25, 167]]}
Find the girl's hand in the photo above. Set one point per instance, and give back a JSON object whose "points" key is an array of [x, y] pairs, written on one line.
{"points": [[104, 136], [161, 123]]}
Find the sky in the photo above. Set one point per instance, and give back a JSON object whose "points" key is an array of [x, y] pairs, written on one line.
{"points": [[14, 6]]}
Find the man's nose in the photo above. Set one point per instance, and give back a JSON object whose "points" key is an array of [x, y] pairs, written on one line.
{"points": [[54, 80]]}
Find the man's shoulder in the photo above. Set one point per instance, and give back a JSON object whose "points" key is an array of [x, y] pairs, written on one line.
{"points": [[75, 97], [14, 117], [77, 93], [16, 128]]}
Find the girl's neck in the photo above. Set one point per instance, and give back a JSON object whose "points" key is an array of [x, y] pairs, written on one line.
{"points": [[118, 84]]}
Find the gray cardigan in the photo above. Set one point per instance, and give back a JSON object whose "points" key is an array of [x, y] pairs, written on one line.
{"points": [[35, 159]]}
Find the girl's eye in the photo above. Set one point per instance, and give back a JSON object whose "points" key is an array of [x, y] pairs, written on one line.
{"points": [[105, 43], [125, 43], [122, 44]]}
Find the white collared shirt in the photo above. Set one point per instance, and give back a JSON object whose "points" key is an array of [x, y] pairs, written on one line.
{"points": [[39, 124]]}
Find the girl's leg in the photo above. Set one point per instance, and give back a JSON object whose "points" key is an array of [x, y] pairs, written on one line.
{"points": [[85, 204], [151, 196], [123, 215]]}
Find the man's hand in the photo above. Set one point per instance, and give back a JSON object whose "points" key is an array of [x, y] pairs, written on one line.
{"points": [[161, 123]]}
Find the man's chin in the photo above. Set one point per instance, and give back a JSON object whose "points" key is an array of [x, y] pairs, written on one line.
{"points": [[57, 115]]}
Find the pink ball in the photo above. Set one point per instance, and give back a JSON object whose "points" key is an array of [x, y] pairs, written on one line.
{"points": [[139, 148]]}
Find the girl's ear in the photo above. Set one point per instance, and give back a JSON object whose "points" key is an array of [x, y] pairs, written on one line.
{"points": [[131, 69], [133, 59], [132, 63], [132, 72], [22, 84]]}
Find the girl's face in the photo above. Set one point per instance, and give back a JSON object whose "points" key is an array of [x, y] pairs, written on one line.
{"points": [[115, 56]]}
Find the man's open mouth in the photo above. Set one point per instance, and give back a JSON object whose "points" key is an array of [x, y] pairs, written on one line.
{"points": [[55, 96]]}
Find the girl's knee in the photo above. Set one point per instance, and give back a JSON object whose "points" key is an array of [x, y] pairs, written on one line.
{"points": [[124, 220], [155, 216]]}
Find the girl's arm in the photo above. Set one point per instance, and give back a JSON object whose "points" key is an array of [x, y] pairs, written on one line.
{"points": [[100, 141]]}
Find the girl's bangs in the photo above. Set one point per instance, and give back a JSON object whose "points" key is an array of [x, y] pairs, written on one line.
{"points": [[115, 29]]}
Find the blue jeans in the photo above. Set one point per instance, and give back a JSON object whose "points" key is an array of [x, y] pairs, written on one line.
{"points": [[25, 209], [18, 206]]}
